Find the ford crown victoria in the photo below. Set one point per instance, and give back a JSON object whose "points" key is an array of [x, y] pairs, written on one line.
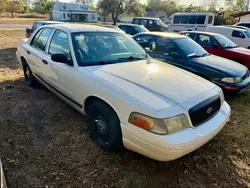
{"points": [[130, 99]]}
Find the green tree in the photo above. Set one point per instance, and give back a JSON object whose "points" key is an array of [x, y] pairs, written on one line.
{"points": [[14, 6], [85, 2], [236, 5], [138, 9], [3, 5], [116, 7], [43, 6]]}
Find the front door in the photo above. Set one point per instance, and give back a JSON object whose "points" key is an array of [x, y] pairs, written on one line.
{"points": [[60, 75]]}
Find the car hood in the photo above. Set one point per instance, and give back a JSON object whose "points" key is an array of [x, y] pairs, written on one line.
{"points": [[240, 50], [156, 84], [223, 65]]}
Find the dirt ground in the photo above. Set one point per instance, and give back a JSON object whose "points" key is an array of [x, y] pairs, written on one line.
{"points": [[45, 143]]}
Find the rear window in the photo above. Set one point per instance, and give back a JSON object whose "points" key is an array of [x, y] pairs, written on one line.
{"points": [[184, 19], [177, 19], [201, 19]]}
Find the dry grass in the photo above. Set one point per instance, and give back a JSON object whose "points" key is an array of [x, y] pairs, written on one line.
{"points": [[19, 20], [45, 143]]}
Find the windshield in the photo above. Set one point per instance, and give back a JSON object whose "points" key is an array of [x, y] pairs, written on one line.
{"points": [[247, 33], [99, 48], [140, 29], [159, 22], [225, 42], [190, 48]]}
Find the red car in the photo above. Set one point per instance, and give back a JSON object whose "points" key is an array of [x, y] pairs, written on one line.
{"points": [[221, 46]]}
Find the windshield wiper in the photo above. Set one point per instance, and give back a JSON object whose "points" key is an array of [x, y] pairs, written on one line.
{"points": [[203, 55], [100, 63], [131, 58]]}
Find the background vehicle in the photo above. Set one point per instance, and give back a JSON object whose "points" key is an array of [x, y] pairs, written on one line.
{"points": [[132, 29], [152, 24], [129, 98], [185, 53], [114, 27], [244, 24], [38, 24], [241, 37], [190, 21], [221, 46], [239, 27]]}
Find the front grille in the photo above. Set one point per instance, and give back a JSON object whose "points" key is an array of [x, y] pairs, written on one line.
{"points": [[204, 111], [245, 76]]}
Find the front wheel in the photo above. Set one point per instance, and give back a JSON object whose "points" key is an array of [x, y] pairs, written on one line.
{"points": [[104, 126]]}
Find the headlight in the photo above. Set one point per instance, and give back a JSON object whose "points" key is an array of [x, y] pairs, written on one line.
{"points": [[232, 79], [159, 126], [176, 123]]}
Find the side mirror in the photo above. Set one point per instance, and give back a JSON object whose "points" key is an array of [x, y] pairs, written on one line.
{"points": [[61, 58], [152, 46]]}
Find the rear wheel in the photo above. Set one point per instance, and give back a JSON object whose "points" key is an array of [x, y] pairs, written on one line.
{"points": [[104, 126], [29, 78]]}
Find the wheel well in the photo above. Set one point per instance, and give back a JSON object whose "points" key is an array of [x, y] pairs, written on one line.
{"points": [[91, 99], [23, 60]]}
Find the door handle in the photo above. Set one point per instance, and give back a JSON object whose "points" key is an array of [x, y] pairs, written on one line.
{"points": [[28, 52], [45, 62]]}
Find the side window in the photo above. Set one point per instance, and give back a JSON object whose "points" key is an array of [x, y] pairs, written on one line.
{"points": [[184, 19], [238, 34], [136, 21], [210, 19], [60, 44], [165, 45], [144, 39], [191, 35], [35, 38], [42, 40], [131, 30], [177, 19], [152, 22], [201, 19], [192, 19], [205, 40], [143, 22]]}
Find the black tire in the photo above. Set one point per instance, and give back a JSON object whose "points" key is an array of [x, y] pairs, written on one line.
{"points": [[28, 76], [104, 126]]}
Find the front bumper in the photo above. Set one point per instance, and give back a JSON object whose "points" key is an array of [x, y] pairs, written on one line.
{"points": [[173, 146], [236, 88]]}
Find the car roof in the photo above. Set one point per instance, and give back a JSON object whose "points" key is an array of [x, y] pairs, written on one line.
{"points": [[73, 28], [146, 18], [47, 21], [225, 27], [165, 34], [131, 25], [203, 32]]}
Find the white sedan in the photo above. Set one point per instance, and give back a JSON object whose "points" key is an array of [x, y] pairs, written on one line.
{"points": [[130, 99]]}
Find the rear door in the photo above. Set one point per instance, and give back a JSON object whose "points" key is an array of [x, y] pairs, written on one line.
{"points": [[36, 50]]}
